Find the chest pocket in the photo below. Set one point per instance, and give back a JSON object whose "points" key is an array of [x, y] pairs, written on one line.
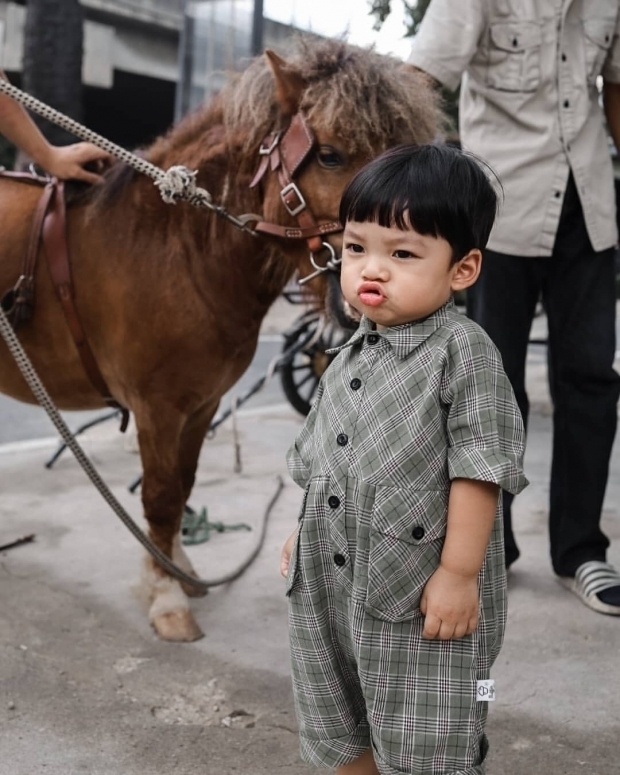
{"points": [[514, 56], [598, 35], [407, 533]]}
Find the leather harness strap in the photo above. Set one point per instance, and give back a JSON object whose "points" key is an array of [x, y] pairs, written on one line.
{"points": [[57, 255], [285, 154], [18, 302], [49, 228]]}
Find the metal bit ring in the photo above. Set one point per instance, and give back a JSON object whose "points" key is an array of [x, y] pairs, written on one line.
{"points": [[330, 265]]}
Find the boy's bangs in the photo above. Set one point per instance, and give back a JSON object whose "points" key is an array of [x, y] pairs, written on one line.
{"points": [[390, 200]]}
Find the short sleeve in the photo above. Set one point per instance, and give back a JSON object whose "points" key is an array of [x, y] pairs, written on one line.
{"points": [[447, 39], [300, 456], [611, 67], [486, 438]]}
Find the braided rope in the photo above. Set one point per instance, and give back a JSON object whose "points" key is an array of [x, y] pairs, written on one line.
{"points": [[177, 183], [42, 396]]}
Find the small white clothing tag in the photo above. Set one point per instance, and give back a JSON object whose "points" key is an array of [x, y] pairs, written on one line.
{"points": [[485, 691]]}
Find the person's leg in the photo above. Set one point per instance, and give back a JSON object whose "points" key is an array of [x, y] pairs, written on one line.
{"points": [[579, 297], [503, 302], [365, 765]]}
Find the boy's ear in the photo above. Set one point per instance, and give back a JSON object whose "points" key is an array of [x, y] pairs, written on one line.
{"points": [[467, 271]]}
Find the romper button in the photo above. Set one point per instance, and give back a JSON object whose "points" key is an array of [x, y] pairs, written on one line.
{"points": [[356, 384], [566, 104], [342, 439], [339, 560], [372, 338], [418, 532], [333, 501]]}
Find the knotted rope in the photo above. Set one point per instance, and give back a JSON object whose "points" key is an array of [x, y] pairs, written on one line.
{"points": [[174, 184]]}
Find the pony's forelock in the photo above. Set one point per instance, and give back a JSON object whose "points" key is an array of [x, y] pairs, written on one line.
{"points": [[390, 106]]}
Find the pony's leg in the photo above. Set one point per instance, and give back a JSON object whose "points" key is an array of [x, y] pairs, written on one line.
{"points": [[192, 439], [159, 435]]}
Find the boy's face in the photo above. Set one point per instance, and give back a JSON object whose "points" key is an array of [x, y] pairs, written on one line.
{"points": [[394, 276]]}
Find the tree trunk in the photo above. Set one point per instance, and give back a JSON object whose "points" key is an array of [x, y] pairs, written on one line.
{"points": [[53, 40]]}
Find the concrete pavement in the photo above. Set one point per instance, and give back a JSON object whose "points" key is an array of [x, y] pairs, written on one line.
{"points": [[85, 687]]}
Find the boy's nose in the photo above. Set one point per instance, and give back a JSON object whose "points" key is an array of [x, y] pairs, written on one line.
{"points": [[374, 269]]}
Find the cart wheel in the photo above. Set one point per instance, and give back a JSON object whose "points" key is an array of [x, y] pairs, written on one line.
{"points": [[300, 374]]}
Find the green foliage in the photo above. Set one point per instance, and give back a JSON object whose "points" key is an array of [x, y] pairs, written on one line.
{"points": [[414, 13]]}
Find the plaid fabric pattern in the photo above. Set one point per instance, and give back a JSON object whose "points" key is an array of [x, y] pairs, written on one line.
{"points": [[399, 414]]}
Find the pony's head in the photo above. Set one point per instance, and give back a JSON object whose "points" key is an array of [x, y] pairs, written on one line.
{"points": [[355, 104]]}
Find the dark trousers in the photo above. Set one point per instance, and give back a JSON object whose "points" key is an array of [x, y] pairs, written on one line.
{"points": [[577, 286]]}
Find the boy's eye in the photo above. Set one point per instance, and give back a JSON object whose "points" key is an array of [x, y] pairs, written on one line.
{"points": [[403, 254], [353, 247]]}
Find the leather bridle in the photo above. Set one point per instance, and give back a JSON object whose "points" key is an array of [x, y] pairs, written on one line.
{"points": [[284, 153]]}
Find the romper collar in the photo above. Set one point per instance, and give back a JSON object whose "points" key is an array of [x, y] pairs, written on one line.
{"points": [[404, 338]]}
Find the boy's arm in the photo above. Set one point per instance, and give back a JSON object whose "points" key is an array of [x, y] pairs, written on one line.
{"points": [[486, 440], [61, 161], [450, 601]]}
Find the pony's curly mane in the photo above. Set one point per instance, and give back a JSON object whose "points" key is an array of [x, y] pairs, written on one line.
{"points": [[369, 101]]}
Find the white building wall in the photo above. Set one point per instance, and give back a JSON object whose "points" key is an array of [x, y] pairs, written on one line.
{"points": [[139, 37]]}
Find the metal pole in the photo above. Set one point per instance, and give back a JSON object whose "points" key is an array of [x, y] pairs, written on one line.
{"points": [[257, 28], [183, 85]]}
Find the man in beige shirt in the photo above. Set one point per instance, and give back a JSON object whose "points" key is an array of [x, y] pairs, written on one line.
{"points": [[530, 72]]}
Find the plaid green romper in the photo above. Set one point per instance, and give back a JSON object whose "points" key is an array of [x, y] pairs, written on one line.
{"points": [[398, 415]]}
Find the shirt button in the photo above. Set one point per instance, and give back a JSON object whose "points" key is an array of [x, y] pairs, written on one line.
{"points": [[333, 501], [563, 57], [342, 439], [418, 532], [372, 338], [557, 194], [566, 103], [356, 384], [339, 560]]}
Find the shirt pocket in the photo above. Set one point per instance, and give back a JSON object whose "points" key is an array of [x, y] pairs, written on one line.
{"points": [[598, 34], [293, 565], [407, 534], [514, 56]]}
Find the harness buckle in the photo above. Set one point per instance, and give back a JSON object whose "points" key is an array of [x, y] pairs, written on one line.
{"points": [[293, 189], [267, 150]]}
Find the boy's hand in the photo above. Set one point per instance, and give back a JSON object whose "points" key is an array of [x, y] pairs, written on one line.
{"points": [[450, 604], [285, 556]]}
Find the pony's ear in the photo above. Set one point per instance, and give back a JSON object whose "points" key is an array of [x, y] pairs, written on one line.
{"points": [[289, 83]]}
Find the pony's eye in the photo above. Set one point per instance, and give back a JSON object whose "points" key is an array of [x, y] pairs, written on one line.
{"points": [[329, 157]]}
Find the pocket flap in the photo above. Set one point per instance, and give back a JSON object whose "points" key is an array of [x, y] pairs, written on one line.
{"points": [[412, 516], [599, 31], [516, 36]]}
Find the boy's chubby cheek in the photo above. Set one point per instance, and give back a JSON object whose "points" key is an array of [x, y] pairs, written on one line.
{"points": [[351, 312]]}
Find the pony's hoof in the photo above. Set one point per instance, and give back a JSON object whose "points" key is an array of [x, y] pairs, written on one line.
{"points": [[177, 626]]}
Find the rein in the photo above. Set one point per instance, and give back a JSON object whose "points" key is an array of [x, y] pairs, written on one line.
{"points": [[284, 153]]}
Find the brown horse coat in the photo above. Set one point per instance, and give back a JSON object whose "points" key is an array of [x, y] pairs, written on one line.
{"points": [[171, 297]]}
